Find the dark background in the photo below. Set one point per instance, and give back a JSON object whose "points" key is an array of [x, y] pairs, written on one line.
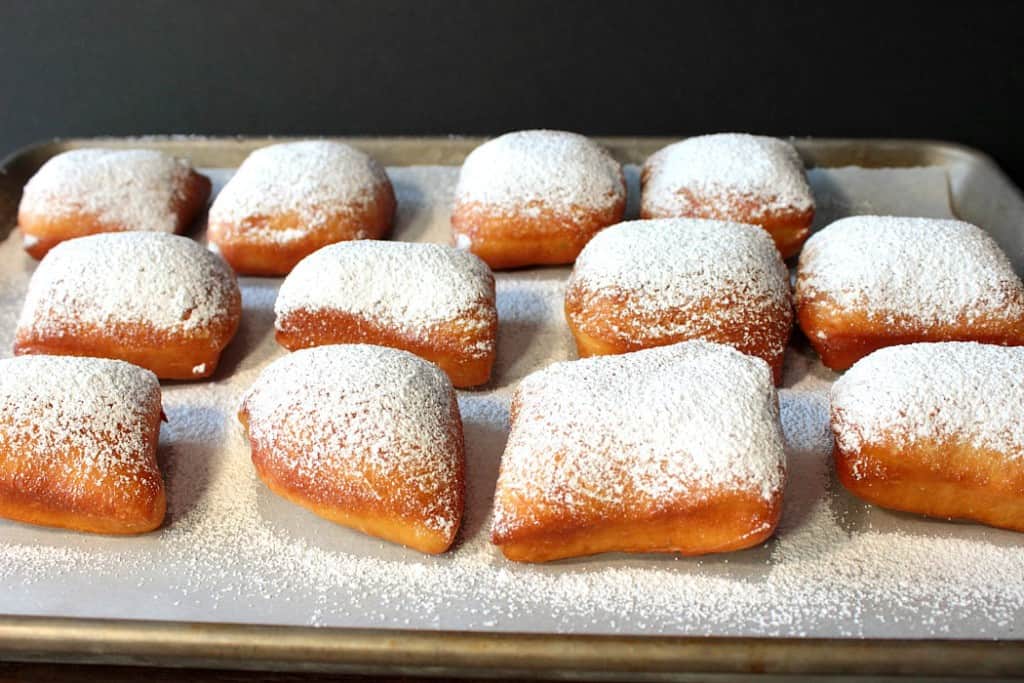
{"points": [[892, 69]]}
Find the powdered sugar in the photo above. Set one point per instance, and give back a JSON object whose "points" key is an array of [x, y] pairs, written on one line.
{"points": [[522, 170], [93, 414], [764, 172], [910, 271], [168, 282], [660, 266], [371, 279], [361, 414], [314, 180], [958, 391], [232, 551], [131, 189], [646, 430]]}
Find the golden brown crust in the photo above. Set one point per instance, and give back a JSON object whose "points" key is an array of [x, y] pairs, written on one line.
{"points": [[57, 491], [788, 227], [842, 336], [937, 479], [533, 235], [47, 231], [444, 344], [387, 508], [711, 522], [257, 252], [609, 324]]}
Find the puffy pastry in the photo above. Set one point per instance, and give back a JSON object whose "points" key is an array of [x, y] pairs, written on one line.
{"points": [[867, 282], [732, 177], [290, 199], [87, 191], [535, 197], [78, 439], [430, 299], [366, 436], [159, 301], [935, 429], [650, 283], [672, 449]]}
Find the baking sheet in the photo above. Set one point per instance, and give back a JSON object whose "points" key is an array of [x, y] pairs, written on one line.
{"points": [[232, 552]]}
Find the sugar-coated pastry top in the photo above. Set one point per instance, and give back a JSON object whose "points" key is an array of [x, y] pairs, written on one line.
{"points": [[725, 167], [380, 413], [963, 392], [134, 189], [526, 170], [96, 410], [663, 264], [928, 270], [406, 284], [314, 179], [645, 429], [167, 282]]}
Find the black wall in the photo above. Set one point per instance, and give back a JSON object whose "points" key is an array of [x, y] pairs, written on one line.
{"points": [[803, 68]]}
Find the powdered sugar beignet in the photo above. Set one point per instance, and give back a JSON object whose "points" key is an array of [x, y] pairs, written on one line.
{"points": [[432, 300], [867, 282], [159, 301], [673, 449], [650, 283], [365, 436], [290, 199], [733, 177], [87, 191], [78, 439], [935, 429], [535, 197]]}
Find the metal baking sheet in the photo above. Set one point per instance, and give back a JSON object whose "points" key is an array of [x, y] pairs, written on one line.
{"points": [[849, 582]]}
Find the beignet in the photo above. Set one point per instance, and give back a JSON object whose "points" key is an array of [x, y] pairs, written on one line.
{"points": [[290, 199], [365, 436], [673, 449], [867, 282], [78, 439], [935, 429], [535, 197], [87, 191], [732, 177], [430, 299], [642, 284], [159, 301]]}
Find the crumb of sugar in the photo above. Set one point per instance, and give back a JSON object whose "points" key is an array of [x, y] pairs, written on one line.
{"points": [[316, 180], [660, 266], [362, 414], [735, 167], [165, 281], [370, 279], [232, 551], [663, 424], [954, 391], [132, 189], [559, 170], [96, 408]]}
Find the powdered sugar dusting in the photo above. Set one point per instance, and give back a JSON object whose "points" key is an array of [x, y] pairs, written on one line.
{"points": [[315, 180], [659, 266], [959, 391], [132, 189], [732, 167], [560, 170], [411, 286], [97, 409], [361, 414], [910, 271], [232, 551], [165, 281]]}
